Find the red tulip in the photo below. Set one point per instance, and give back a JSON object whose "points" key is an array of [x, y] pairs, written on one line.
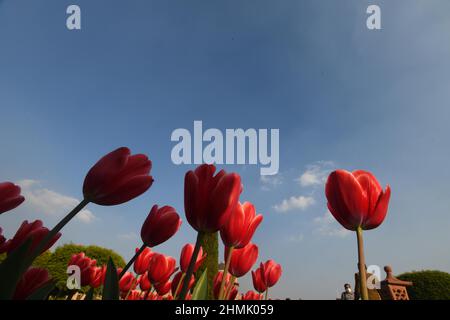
{"points": [[163, 288], [97, 276], [142, 261], [134, 295], [34, 230], [229, 287], [118, 177], [252, 295], [242, 260], [153, 296], [2, 242], [144, 283], [258, 280], [161, 268], [127, 282], [186, 255], [85, 264], [32, 280], [10, 197], [240, 227], [356, 199], [176, 283], [209, 199], [272, 272], [160, 225]]}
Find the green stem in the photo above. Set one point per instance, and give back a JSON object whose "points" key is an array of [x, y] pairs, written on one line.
{"points": [[55, 230], [175, 294], [131, 261], [190, 269], [225, 273], [267, 294], [362, 265]]}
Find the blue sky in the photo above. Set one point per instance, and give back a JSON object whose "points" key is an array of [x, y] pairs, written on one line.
{"points": [[341, 95]]}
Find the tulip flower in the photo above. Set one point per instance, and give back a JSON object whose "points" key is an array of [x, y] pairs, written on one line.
{"points": [[238, 231], [252, 295], [161, 268], [230, 285], [31, 280], [272, 272], [209, 199], [208, 202], [97, 276], [10, 197], [258, 280], [36, 231], [358, 202], [186, 255], [161, 224], [163, 288], [176, 283], [134, 295], [240, 227], [142, 261], [118, 177], [127, 282], [144, 282], [85, 264], [242, 260]]}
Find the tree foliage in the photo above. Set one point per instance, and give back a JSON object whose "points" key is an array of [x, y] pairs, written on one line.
{"points": [[428, 285]]}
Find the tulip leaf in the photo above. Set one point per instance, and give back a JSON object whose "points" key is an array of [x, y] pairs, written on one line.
{"points": [[201, 288], [89, 294], [43, 292], [12, 269], [111, 286]]}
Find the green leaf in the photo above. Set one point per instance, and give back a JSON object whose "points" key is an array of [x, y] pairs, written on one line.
{"points": [[201, 288], [43, 292], [89, 294], [111, 286], [12, 269]]}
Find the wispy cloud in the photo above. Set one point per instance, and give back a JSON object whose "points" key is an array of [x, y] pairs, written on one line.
{"points": [[52, 203], [326, 225], [316, 173], [271, 182], [295, 203], [127, 236], [295, 238]]}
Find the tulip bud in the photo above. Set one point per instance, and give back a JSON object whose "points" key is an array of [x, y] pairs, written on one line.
{"points": [[31, 281], [161, 268], [118, 177], [209, 199], [185, 257], [85, 264], [242, 260], [142, 261], [10, 197], [161, 224]]}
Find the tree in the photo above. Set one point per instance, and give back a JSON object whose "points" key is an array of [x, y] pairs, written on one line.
{"points": [[428, 285]]}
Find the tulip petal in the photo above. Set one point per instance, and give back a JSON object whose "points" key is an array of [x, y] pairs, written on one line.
{"points": [[377, 217]]}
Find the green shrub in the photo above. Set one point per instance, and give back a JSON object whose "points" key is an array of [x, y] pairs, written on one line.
{"points": [[428, 285]]}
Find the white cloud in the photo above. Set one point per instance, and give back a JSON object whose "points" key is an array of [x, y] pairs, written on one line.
{"points": [[300, 203], [326, 225], [50, 202], [316, 174], [128, 236], [296, 238], [271, 182]]}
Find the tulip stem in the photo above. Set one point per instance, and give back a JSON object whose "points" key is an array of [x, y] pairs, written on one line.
{"points": [[362, 266], [190, 270], [51, 234], [132, 261], [175, 294], [267, 294], [222, 295]]}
